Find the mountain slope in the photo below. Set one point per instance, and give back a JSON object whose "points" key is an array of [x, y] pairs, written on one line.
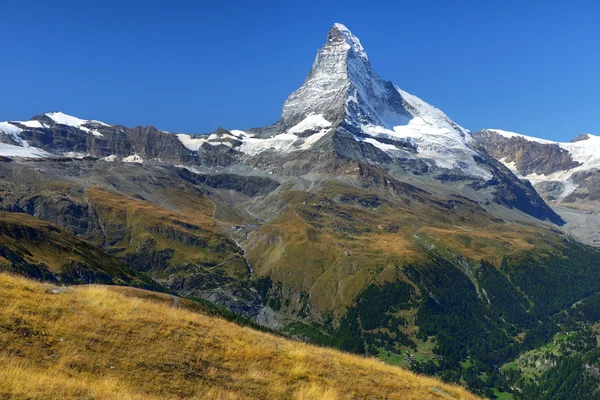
{"points": [[95, 342], [565, 174], [149, 218], [41, 250]]}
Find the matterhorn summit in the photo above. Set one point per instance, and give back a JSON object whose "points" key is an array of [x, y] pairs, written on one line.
{"points": [[343, 91]]}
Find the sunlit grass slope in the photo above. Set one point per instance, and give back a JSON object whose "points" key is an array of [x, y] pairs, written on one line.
{"points": [[94, 342]]}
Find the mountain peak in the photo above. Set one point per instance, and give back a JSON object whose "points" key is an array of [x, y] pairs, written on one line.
{"points": [[340, 34]]}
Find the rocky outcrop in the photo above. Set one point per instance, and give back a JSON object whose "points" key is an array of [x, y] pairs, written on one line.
{"points": [[528, 157]]}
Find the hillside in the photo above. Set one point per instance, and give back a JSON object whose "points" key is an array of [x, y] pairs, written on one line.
{"points": [[565, 174], [98, 342], [44, 251]]}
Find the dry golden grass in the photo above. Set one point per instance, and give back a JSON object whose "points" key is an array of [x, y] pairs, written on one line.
{"points": [[96, 343], [36, 246]]}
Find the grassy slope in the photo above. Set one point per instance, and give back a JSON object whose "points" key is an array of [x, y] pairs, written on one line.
{"points": [[40, 249], [191, 232], [95, 342], [334, 243]]}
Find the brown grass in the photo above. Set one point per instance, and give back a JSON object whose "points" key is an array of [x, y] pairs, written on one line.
{"points": [[96, 343], [333, 250], [169, 229]]}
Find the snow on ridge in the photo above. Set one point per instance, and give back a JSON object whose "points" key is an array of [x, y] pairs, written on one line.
{"points": [[134, 158], [586, 152], [191, 143], [433, 134], [430, 114], [311, 122], [9, 150], [30, 124], [64, 119], [352, 41], [509, 135]]}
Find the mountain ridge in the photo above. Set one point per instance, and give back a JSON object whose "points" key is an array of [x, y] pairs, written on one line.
{"points": [[564, 173]]}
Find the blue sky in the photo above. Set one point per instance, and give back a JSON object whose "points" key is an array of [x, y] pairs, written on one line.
{"points": [[526, 66]]}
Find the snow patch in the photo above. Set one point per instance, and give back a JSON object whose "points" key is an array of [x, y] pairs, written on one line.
{"points": [[311, 122], [75, 154], [133, 159], [382, 146], [9, 150], [283, 142], [30, 124], [11, 130], [64, 119], [239, 134], [312, 139], [191, 143]]}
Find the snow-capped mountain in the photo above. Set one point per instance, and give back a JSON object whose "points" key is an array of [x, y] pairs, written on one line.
{"points": [[344, 112], [565, 174], [557, 168], [342, 88]]}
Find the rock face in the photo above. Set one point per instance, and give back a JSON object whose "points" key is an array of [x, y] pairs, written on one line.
{"points": [[527, 157], [565, 174]]}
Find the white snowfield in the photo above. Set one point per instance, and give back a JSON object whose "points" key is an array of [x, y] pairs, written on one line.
{"points": [[191, 143], [22, 149], [585, 151], [9, 150], [64, 119], [133, 159], [289, 141]]}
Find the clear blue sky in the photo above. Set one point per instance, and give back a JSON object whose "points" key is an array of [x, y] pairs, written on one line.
{"points": [[527, 66]]}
